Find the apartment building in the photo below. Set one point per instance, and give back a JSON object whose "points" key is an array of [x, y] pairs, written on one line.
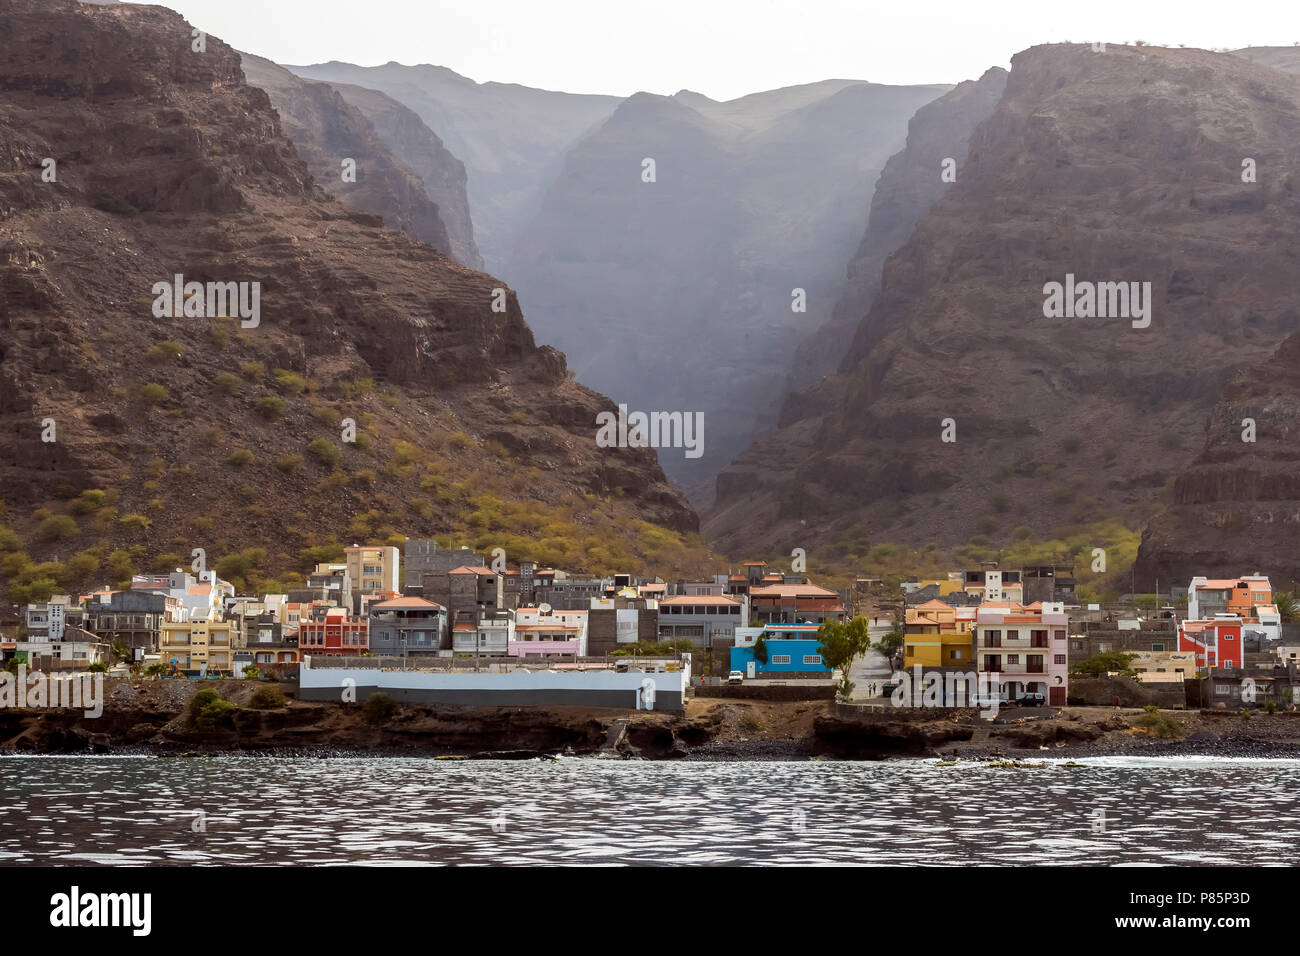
{"points": [[938, 634], [202, 644], [546, 632], [1022, 649], [133, 618], [372, 569], [702, 619], [621, 620], [1249, 597], [334, 633], [794, 604], [408, 626]]}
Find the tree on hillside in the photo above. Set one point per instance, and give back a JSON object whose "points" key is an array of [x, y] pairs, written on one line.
{"points": [[1107, 662], [839, 644], [1286, 606]]}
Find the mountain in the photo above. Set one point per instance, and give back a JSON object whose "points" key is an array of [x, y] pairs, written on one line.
{"points": [[1236, 508], [1117, 166], [679, 294], [131, 437], [420, 148], [908, 186], [511, 138], [327, 131]]}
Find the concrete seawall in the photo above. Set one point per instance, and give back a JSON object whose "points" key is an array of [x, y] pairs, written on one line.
{"points": [[594, 688]]}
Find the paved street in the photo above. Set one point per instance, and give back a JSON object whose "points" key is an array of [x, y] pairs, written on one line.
{"points": [[870, 671]]}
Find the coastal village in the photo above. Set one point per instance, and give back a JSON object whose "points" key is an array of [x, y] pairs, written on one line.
{"points": [[754, 632]]}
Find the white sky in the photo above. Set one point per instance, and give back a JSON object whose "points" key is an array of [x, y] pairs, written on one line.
{"points": [[722, 48]]}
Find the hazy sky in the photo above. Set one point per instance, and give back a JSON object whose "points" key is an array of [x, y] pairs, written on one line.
{"points": [[722, 48]]}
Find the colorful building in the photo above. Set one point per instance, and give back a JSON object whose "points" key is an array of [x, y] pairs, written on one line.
{"points": [[936, 634], [792, 650], [204, 644], [794, 604], [1249, 597], [1216, 643], [372, 569], [1021, 649], [334, 634]]}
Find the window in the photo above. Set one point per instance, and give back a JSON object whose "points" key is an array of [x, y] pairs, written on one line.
{"points": [[812, 658], [780, 658], [1058, 658], [1227, 637], [1013, 635], [1013, 658], [956, 655], [1157, 647], [1222, 691]]}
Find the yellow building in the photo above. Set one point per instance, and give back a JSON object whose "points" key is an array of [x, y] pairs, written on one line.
{"points": [[197, 644], [373, 569], [936, 634]]}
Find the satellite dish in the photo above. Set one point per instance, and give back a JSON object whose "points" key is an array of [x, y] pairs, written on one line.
{"points": [[543, 609]]}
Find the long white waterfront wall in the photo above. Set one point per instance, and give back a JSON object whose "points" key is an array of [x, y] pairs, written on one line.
{"points": [[594, 688]]}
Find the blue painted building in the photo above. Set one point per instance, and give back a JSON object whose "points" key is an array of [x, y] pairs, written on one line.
{"points": [[791, 649]]}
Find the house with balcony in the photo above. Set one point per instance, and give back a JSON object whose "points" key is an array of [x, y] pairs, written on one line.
{"points": [[201, 644], [133, 618], [794, 604], [1249, 597], [265, 643], [702, 619], [623, 619], [546, 632], [1217, 642], [938, 634], [408, 626], [482, 634], [334, 633], [1022, 649]]}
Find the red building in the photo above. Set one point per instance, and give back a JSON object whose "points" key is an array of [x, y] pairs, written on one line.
{"points": [[334, 635], [1217, 643]]}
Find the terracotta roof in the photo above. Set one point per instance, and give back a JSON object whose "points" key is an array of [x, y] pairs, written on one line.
{"points": [[699, 599], [935, 604], [792, 590], [398, 604]]}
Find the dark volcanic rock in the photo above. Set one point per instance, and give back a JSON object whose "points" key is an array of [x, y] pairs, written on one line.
{"points": [[170, 163], [1122, 166]]}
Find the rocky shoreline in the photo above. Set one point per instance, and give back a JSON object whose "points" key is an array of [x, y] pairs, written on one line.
{"points": [[151, 718]]}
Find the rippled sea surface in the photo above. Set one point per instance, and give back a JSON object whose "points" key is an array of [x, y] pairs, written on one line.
{"points": [[145, 810]]}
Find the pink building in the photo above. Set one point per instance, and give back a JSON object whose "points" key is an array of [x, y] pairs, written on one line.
{"points": [[1021, 649]]}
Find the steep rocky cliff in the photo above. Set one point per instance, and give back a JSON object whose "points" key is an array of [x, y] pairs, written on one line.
{"points": [[327, 132], [420, 148], [678, 294], [1236, 508], [1117, 166], [511, 138], [909, 184], [131, 435]]}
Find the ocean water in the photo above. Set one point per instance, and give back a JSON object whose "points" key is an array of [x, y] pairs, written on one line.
{"points": [[386, 811]]}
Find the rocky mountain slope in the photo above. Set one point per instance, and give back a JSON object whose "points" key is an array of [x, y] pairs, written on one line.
{"points": [[1117, 166], [511, 138], [678, 294], [420, 148], [911, 181], [1236, 508], [131, 436], [327, 131]]}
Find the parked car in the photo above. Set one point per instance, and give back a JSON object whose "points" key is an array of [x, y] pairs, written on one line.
{"points": [[735, 677], [1032, 700]]}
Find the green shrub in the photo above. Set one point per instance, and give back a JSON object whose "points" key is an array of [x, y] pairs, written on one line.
{"points": [[379, 708], [271, 407], [212, 713], [228, 382], [1158, 724], [164, 351], [57, 528], [267, 698], [240, 458], [289, 463], [326, 451], [134, 522], [290, 381], [152, 394]]}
